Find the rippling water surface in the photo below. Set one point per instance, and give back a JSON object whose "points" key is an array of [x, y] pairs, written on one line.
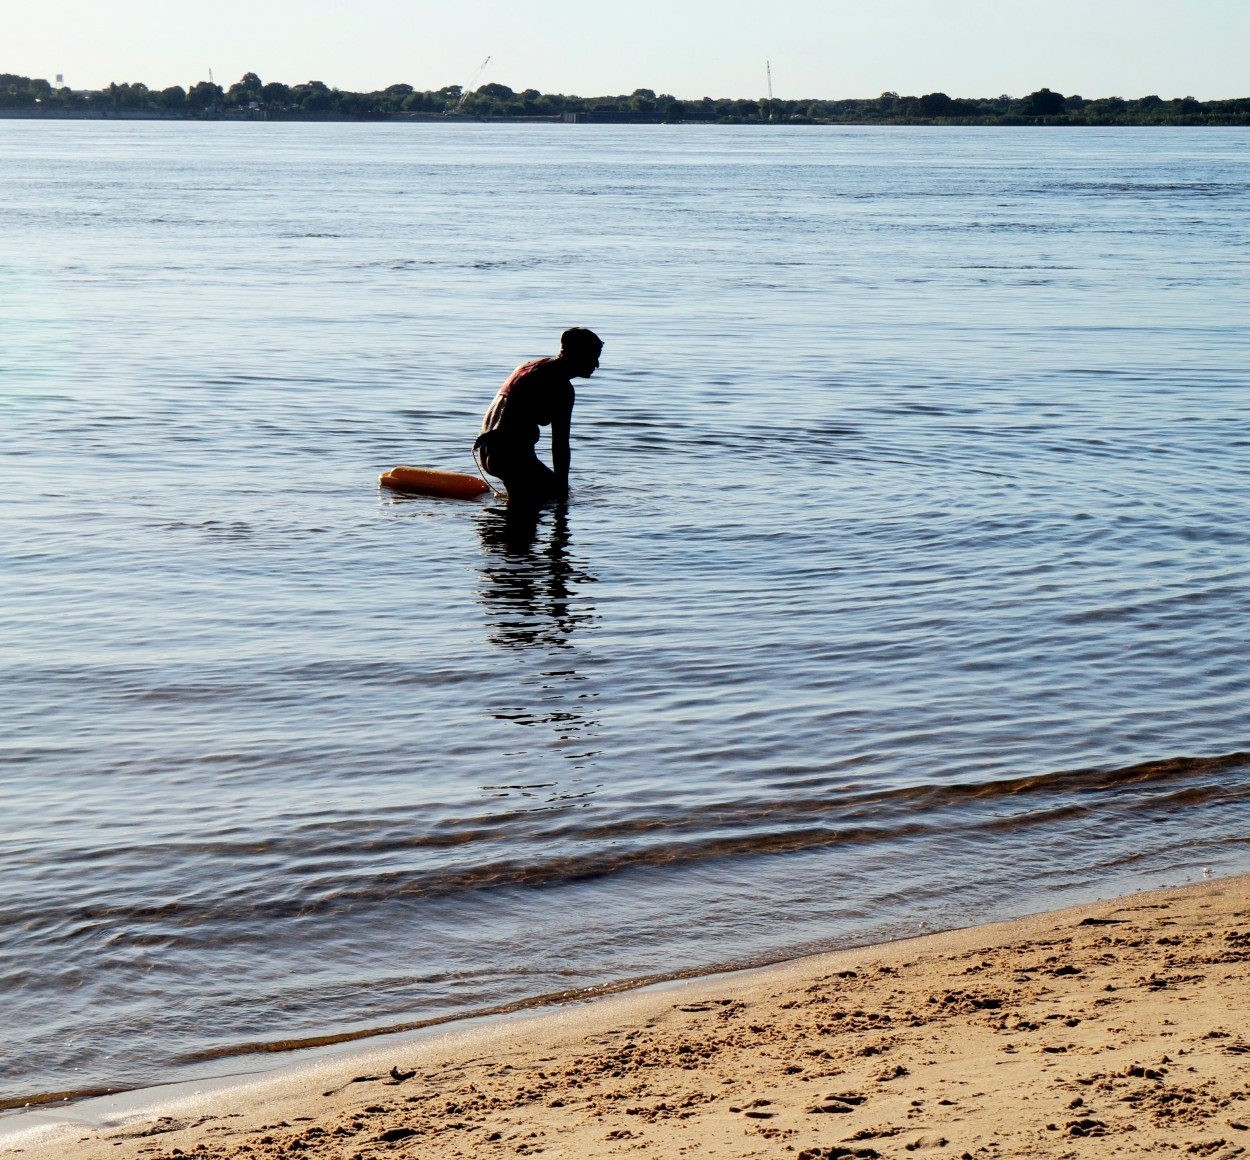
{"points": [[906, 582]]}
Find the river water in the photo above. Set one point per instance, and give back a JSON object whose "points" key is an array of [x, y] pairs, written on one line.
{"points": [[905, 583]]}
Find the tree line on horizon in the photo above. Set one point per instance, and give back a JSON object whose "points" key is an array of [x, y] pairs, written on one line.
{"points": [[314, 100]]}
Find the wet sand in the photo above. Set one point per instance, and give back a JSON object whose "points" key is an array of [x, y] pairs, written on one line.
{"points": [[1115, 1029]]}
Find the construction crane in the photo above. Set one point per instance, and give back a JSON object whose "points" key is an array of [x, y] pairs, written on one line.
{"points": [[468, 89]]}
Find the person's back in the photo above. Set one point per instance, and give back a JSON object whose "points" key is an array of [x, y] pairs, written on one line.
{"points": [[538, 394], [535, 395]]}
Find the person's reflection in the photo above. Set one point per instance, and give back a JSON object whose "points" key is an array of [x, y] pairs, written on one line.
{"points": [[530, 586]]}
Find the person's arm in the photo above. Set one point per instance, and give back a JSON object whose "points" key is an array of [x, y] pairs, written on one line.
{"points": [[561, 421]]}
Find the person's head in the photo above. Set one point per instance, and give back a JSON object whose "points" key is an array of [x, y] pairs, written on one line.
{"points": [[579, 351]]}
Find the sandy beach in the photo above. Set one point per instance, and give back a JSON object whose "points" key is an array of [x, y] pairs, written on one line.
{"points": [[1113, 1029]]}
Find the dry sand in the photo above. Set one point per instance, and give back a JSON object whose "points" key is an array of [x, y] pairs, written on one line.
{"points": [[1116, 1029]]}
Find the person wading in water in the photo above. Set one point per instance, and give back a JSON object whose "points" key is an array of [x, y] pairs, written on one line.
{"points": [[537, 394]]}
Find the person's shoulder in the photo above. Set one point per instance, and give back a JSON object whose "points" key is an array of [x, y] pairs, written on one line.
{"points": [[528, 368], [526, 371], [550, 372], [540, 370]]}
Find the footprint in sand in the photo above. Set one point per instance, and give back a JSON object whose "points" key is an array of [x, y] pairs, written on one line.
{"points": [[838, 1105], [839, 1152], [752, 1110]]}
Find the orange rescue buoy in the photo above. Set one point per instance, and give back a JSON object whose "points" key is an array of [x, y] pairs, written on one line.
{"points": [[427, 481]]}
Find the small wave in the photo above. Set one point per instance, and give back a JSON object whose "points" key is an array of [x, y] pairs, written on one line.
{"points": [[1189, 188], [722, 830], [40, 1099], [1185, 782]]}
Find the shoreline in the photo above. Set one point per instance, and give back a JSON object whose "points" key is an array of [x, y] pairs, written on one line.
{"points": [[601, 120], [1115, 1023]]}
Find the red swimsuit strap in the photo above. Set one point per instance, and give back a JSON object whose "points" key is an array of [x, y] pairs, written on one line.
{"points": [[520, 373]]}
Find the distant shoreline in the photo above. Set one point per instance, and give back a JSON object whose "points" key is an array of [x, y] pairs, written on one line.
{"points": [[250, 99], [592, 119]]}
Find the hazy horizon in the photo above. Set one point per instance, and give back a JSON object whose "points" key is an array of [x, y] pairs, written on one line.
{"points": [[966, 48]]}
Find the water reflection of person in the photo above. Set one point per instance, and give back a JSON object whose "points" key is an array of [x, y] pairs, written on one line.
{"points": [[535, 596], [530, 584]]}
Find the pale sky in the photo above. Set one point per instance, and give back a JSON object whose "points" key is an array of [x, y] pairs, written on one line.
{"points": [[691, 48]]}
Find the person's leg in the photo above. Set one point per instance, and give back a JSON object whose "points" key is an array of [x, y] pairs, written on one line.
{"points": [[529, 481]]}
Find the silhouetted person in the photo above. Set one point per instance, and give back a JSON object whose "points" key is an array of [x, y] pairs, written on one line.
{"points": [[538, 394]]}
